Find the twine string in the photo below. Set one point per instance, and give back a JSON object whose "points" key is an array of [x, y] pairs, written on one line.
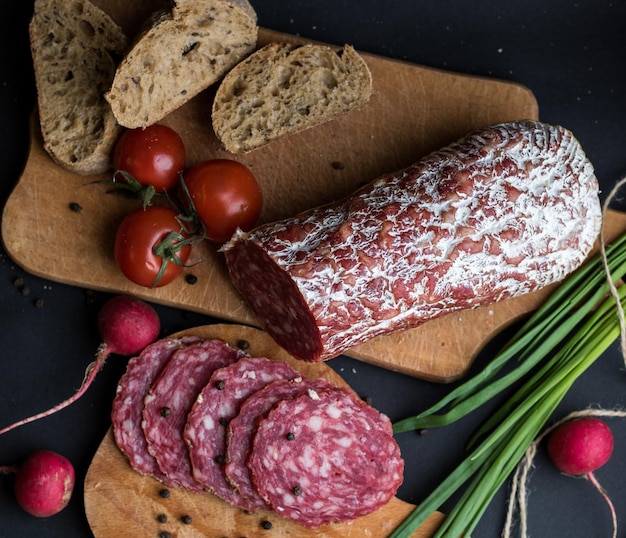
{"points": [[605, 263], [518, 497]]}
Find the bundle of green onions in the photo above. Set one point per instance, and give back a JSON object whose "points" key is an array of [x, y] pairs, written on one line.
{"points": [[553, 348]]}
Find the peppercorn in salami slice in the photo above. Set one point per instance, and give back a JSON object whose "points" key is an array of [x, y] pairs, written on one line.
{"points": [[141, 371], [325, 457], [242, 427], [170, 399], [216, 405]]}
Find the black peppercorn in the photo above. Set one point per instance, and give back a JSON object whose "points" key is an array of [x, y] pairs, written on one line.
{"points": [[219, 384], [186, 520], [166, 412], [191, 279], [266, 525], [290, 436], [297, 490], [243, 344], [164, 493], [162, 518]]}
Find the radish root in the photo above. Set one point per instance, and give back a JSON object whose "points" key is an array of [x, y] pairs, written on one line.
{"points": [[90, 375], [592, 478], [8, 469]]}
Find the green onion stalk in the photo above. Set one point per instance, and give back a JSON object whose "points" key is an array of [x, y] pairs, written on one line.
{"points": [[565, 336]]}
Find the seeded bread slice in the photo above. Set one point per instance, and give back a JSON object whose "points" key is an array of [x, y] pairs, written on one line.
{"points": [[284, 88], [183, 52], [74, 45]]}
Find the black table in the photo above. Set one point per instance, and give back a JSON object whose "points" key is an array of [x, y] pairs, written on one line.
{"points": [[571, 54]]}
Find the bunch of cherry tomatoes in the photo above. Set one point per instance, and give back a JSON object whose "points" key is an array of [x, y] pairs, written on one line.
{"points": [[210, 200]]}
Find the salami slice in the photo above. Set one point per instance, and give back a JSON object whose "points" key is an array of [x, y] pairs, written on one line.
{"points": [[216, 405], [141, 371], [325, 457], [503, 212], [241, 430], [170, 399]]}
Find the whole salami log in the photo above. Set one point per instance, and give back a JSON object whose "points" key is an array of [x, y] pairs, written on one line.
{"points": [[217, 403], [502, 212], [325, 457], [141, 371], [169, 400]]}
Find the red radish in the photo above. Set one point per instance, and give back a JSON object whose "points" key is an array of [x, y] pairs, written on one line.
{"points": [[43, 483], [126, 325], [580, 446]]}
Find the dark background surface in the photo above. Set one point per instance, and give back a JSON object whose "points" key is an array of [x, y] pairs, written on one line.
{"points": [[571, 54]]}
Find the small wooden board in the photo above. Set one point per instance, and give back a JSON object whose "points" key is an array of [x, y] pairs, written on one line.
{"points": [[413, 111], [120, 502]]}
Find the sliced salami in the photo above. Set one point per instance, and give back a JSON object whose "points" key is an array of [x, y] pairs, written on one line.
{"points": [[325, 457], [505, 211], [216, 405], [170, 399], [141, 371], [241, 430]]}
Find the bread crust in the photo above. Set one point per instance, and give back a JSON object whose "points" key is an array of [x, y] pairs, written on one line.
{"points": [[180, 54], [74, 46], [284, 88]]}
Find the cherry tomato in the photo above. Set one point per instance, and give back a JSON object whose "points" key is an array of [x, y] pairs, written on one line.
{"points": [[225, 195], [153, 156], [140, 237]]}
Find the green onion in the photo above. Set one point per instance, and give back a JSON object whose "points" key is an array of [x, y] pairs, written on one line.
{"points": [[555, 320], [557, 344]]}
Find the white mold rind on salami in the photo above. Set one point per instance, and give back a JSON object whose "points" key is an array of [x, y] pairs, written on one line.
{"points": [[217, 403], [126, 413], [171, 397], [326, 459], [503, 212]]}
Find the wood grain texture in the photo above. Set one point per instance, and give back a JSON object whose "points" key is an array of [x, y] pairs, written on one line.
{"points": [[413, 110], [120, 502]]}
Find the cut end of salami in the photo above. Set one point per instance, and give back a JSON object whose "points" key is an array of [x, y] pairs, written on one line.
{"points": [[276, 299], [502, 212]]}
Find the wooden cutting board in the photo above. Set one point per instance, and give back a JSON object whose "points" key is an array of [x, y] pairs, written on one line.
{"points": [[413, 110], [120, 502]]}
